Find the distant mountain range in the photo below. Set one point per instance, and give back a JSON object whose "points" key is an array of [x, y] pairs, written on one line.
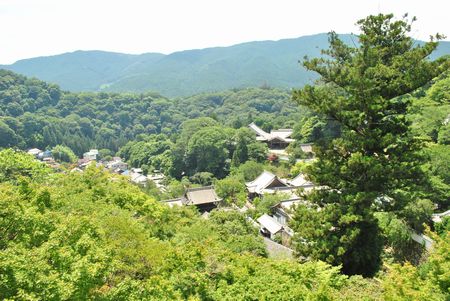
{"points": [[264, 63]]}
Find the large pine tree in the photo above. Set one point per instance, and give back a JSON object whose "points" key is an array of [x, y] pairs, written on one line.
{"points": [[374, 165]]}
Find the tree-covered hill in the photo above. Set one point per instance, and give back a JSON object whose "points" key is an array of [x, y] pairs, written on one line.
{"points": [[36, 114], [264, 63], [80, 70]]}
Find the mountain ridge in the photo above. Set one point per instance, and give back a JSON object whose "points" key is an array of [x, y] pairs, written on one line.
{"points": [[186, 72]]}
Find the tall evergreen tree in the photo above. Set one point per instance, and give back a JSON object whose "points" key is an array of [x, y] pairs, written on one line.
{"points": [[374, 165]]}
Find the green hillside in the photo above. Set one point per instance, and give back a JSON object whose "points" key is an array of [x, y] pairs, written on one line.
{"points": [[80, 70], [265, 63], [41, 115], [37, 114]]}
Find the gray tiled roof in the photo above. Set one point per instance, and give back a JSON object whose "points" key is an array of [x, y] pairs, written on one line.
{"points": [[202, 195]]}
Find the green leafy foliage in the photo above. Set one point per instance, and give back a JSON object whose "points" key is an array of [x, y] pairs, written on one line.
{"points": [[430, 281], [36, 114], [376, 161], [249, 170], [263, 205], [231, 190], [93, 235], [63, 153], [14, 166], [207, 151]]}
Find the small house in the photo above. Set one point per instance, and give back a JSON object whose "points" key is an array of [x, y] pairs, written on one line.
{"points": [[204, 198], [138, 178], [34, 152], [91, 155], [306, 148], [136, 170], [117, 164], [175, 202], [269, 227], [300, 181], [282, 212], [44, 155], [83, 163]]}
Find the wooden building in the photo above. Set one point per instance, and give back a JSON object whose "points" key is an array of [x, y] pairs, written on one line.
{"points": [[266, 182], [276, 139], [204, 198]]}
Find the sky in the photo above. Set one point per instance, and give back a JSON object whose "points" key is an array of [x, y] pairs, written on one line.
{"points": [[31, 28]]}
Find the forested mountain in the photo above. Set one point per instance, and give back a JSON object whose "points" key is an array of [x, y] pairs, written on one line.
{"points": [[36, 114], [80, 70], [265, 63]]}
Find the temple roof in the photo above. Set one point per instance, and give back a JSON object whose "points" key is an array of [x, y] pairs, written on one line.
{"points": [[281, 134], [202, 195], [265, 180]]}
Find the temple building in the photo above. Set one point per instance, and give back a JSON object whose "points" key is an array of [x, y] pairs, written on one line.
{"points": [[276, 139]]}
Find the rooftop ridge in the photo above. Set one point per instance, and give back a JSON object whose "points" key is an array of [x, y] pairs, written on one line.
{"points": [[200, 188]]}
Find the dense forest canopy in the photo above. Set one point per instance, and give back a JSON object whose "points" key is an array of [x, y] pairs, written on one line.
{"points": [[41, 115], [93, 235]]}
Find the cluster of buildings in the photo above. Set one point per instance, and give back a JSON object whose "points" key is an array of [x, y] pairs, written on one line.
{"points": [[114, 165], [276, 222], [273, 224], [44, 156]]}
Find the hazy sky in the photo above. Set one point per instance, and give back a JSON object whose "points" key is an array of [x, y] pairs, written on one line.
{"points": [[31, 28]]}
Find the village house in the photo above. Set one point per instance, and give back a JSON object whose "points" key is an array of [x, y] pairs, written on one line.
{"points": [[271, 228], [204, 198], [158, 178], [137, 177], [34, 152], [282, 212], [91, 155], [83, 163], [175, 202], [268, 183], [44, 155], [116, 165], [275, 224], [300, 181], [306, 148]]}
